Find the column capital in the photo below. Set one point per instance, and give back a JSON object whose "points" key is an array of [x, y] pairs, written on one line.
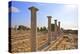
{"points": [[55, 20], [33, 8], [49, 16]]}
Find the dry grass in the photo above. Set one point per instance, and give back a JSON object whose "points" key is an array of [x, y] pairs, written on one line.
{"points": [[21, 41]]}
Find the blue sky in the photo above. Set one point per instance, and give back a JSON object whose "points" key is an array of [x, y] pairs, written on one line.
{"points": [[65, 13]]}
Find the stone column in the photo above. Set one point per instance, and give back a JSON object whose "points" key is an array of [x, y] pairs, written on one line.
{"points": [[33, 28], [55, 30], [55, 25], [49, 29], [59, 25], [59, 28]]}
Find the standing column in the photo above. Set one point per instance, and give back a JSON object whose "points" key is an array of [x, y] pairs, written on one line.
{"points": [[33, 28], [59, 28], [59, 25], [49, 29], [55, 25], [56, 33]]}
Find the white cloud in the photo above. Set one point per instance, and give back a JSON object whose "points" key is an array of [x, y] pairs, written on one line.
{"points": [[70, 6], [14, 9]]}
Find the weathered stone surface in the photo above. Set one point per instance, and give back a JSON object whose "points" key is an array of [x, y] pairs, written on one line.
{"points": [[33, 28], [49, 29]]}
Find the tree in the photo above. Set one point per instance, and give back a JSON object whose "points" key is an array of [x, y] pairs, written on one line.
{"points": [[21, 27], [41, 29], [38, 29], [44, 28]]}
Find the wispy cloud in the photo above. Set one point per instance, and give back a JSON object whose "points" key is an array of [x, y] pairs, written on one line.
{"points": [[14, 9], [69, 26]]}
